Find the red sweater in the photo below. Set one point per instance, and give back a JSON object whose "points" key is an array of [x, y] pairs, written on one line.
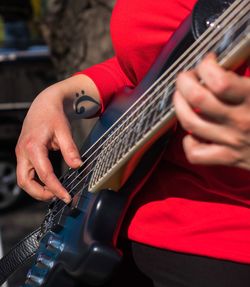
{"points": [[192, 209]]}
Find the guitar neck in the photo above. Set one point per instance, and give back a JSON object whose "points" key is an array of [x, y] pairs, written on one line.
{"points": [[153, 114]]}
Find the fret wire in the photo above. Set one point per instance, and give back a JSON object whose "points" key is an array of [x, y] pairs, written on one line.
{"points": [[122, 144], [105, 163], [112, 157], [138, 128], [166, 97], [93, 176], [143, 122], [131, 132], [119, 149], [126, 142], [99, 167], [150, 117], [139, 125], [99, 163], [106, 160], [160, 96], [99, 157]]}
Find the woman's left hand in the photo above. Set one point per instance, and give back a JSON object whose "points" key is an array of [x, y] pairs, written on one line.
{"points": [[213, 105]]}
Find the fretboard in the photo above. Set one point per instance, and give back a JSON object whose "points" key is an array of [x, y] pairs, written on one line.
{"points": [[228, 37]]}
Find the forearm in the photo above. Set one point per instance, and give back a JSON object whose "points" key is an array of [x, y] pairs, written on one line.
{"points": [[46, 127]]}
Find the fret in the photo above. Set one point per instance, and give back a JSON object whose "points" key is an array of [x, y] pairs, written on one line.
{"points": [[104, 163], [143, 123], [146, 124], [159, 105], [132, 135], [97, 168], [113, 156], [97, 171], [105, 158], [166, 98], [123, 144], [129, 137], [161, 100], [140, 126]]}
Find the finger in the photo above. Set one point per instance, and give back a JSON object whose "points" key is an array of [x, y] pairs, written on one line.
{"points": [[42, 165], [200, 98], [26, 180], [210, 131], [226, 85], [68, 147], [209, 154]]}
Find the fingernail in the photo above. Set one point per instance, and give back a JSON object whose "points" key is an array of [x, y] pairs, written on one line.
{"points": [[66, 199], [77, 161]]}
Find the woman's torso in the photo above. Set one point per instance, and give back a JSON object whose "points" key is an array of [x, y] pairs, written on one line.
{"points": [[195, 209]]}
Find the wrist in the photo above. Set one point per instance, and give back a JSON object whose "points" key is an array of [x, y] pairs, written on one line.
{"points": [[80, 97]]}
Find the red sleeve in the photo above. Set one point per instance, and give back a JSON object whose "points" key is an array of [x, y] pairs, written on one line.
{"points": [[247, 73], [109, 78]]}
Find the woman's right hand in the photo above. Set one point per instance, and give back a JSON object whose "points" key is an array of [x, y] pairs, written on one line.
{"points": [[46, 127]]}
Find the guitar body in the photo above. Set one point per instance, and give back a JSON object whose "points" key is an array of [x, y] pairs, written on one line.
{"points": [[79, 242]]}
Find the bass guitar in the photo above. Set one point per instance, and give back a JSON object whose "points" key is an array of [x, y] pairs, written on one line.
{"points": [[78, 241]]}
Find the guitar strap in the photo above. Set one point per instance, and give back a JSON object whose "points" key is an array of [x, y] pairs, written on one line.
{"points": [[19, 255]]}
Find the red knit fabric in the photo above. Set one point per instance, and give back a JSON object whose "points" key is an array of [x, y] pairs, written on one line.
{"points": [[183, 207]]}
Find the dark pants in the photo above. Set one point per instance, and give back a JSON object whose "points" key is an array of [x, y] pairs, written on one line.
{"points": [[147, 266]]}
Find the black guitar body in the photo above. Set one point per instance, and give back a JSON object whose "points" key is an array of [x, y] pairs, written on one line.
{"points": [[79, 243]]}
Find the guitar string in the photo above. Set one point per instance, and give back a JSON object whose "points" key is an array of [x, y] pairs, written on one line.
{"points": [[77, 192], [80, 181], [221, 55], [104, 136], [190, 49], [87, 165], [187, 67], [82, 189], [64, 206], [157, 119], [82, 178]]}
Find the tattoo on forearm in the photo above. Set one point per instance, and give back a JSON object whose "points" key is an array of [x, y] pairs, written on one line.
{"points": [[85, 106]]}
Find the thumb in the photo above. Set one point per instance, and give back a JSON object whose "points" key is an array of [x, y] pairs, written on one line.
{"points": [[68, 147]]}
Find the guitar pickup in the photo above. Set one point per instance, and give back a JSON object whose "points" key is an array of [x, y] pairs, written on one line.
{"points": [[74, 207], [59, 221]]}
